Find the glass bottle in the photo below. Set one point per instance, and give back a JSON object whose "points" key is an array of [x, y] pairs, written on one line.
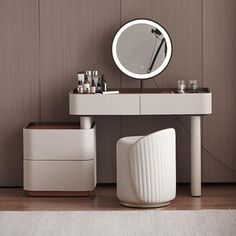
{"points": [[95, 76], [80, 88], [99, 86], [104, 84], [89, 75], [93, 87], [86, 85], [181, 86], [193, 88]]}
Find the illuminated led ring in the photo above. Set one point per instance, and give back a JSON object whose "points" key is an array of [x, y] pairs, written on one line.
{"points": [[159, 69]]}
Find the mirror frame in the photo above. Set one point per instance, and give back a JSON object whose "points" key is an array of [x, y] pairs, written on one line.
{"points": [[168, 54]]}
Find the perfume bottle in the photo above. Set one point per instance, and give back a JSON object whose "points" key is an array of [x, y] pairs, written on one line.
{"points": [[99, 86], [93, 87], [95, 76], [104, 84], [80, 88], [86, 85], [89, 75]]}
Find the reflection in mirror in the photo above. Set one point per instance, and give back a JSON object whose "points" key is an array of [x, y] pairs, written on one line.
{"points": [[141, 49]]}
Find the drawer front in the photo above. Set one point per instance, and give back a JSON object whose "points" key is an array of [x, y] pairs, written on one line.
{"points": [[59, 175], [98, 104], [59, 144], [174, 104]]}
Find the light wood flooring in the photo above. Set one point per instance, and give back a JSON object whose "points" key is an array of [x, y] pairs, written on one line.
{"points": [[214, 196]]}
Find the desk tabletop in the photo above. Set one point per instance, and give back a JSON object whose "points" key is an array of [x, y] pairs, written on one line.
{"points": [[150, 91]]}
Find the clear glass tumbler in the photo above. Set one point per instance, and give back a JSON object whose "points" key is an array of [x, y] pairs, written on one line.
{"points": [[193, 86], [181, 86]]}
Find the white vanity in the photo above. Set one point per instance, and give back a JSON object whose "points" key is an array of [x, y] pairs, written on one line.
{"points": [[152, 102], [63, 158]]}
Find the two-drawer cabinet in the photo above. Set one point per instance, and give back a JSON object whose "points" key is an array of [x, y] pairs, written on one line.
{"points": [[59, 159]]}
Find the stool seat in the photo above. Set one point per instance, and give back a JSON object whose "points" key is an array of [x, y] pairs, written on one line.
{"points": [[146, 169]]}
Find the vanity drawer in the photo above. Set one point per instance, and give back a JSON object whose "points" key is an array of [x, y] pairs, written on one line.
{"points": [[59, 175], [98, 104], [176, 104], [59, 142]]}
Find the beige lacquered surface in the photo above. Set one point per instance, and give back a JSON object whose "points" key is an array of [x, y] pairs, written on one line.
{"points": [[150, 102], [176, 104], [98, 104]]}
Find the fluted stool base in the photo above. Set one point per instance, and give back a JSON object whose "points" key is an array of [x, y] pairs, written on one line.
{"points": [[144, 205]]}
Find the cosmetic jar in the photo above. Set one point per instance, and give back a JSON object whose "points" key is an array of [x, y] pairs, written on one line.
{"points": [[193, 88], [181, 86]]}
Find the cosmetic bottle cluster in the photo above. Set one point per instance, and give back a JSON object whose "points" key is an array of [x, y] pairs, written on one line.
{"points": [[91, 82]]}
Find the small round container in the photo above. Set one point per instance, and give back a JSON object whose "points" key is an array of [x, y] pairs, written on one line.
{"points": [[193, 88], [181, 86]]}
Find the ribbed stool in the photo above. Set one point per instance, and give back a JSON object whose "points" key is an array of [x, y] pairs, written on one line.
{"points": [[146, 169]]}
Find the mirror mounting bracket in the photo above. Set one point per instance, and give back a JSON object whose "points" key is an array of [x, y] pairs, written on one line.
{"points": [[141, 86]]}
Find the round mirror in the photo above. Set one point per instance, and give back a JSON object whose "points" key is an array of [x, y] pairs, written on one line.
{"points": [[142, 49]]}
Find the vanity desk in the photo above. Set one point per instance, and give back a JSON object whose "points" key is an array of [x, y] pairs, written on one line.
{"points": [[152, 102]]}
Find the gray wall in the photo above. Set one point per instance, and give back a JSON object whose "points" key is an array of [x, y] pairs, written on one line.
{"points": [[44, 42]]}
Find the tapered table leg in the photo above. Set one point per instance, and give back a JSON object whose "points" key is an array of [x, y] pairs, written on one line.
{"points": [[195, 156]]}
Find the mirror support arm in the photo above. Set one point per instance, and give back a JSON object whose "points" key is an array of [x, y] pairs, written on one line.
{"points": [[155, 57], [141, 86]]}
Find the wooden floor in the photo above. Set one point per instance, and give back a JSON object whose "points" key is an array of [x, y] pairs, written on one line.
{"points": [[104, 198]]}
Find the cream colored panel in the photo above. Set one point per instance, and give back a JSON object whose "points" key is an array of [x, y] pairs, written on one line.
{"points": [[176, 104], [59, 175], [98, 104], [59, 144]]}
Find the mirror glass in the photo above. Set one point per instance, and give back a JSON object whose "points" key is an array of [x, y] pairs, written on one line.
{"points": [[142, 49]]}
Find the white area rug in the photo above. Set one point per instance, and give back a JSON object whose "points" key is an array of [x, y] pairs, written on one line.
{"points": [[112, 223]]}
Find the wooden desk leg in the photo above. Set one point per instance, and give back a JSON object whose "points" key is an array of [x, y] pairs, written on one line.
{"points": [[195, 156]]}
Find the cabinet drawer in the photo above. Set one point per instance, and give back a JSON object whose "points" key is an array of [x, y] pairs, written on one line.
{"points": [[98, 104], [176, 104], [59, 175], [59, 144]]}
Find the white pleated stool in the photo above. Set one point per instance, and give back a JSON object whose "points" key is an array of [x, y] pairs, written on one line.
{"points": [[146, 169]]}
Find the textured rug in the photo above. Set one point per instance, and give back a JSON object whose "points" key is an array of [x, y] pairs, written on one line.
{"points": [[140, 222]]}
